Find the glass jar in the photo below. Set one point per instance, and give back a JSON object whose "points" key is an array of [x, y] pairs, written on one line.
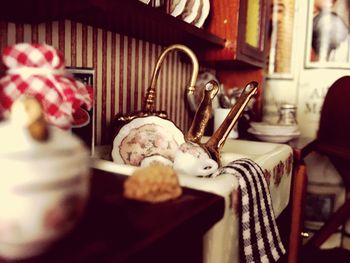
{"points": [[287, 114]]}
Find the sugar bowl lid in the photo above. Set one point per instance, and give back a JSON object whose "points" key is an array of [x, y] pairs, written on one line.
{"points": [[287, 106], [26, 133]]}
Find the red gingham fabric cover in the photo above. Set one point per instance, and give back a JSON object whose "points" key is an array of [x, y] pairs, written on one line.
{"points": [[60, 95]]}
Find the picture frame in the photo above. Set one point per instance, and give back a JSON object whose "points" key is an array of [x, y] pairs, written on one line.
{"points": [[281, 39], [85, 132], [319, 207], [252, 30], [328, 40]]}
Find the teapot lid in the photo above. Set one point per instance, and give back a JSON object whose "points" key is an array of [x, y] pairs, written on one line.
{"points": [[288, 106], [26, 133], [17, 142]]}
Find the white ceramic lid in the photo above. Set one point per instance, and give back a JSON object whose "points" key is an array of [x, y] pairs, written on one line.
{"points": [[15, 140]]}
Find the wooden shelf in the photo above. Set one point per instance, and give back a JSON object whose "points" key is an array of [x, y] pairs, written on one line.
{"points": [[128, 17], [229, 20]]}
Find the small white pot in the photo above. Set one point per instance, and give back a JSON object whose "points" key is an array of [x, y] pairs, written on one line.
{"points": [[44, 189]]}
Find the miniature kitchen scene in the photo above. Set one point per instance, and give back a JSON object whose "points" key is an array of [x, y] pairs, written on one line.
{"points": [[174, 131]]}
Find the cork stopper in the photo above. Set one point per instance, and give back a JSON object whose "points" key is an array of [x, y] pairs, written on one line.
{"points": [[27, 112]]}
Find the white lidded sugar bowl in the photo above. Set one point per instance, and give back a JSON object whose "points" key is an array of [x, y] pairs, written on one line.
{"points": [[44, 182]]}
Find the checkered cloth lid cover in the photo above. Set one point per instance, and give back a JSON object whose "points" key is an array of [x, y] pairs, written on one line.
{"points": [[38, 70]]}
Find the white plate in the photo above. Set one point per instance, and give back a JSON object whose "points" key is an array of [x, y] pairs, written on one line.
{"points": [[204, 13], [144, 137], [177, 7], [273, 137], [191, 10], [145, 1], [273, 129]]}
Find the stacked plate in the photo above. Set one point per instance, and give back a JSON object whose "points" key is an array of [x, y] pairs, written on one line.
{"points": [[191, 11], [273, 132]]}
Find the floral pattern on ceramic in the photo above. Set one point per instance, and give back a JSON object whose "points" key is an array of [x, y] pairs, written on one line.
{"points": [[267, 175], [41, 174], [9, 228], [192, 159], [51, 207], [4, 226], [147, 140], [194, 149], [279, 170], [289, 164], [64, 213], [235, 201], [144, 137]]}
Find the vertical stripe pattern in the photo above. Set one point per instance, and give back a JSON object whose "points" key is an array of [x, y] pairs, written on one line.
{"points": [[123, 68]]}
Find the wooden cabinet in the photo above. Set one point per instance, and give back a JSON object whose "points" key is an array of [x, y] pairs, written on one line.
{"points": [[232, 41], [234, 34], [244, 25], [127, 17]]}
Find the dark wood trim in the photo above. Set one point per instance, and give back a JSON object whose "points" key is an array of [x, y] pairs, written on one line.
{"points": [[120, 230], [255, 56], [131, 17]]}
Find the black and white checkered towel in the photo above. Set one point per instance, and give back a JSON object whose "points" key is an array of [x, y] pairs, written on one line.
{"points": [[259, 233]]}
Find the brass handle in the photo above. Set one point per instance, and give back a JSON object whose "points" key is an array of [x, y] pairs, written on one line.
{"points": [[217, 140], [203, 113], [149, 102]]}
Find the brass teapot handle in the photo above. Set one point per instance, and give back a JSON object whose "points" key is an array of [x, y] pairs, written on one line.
{"points": [[217, 140], [203, 112], [149, 101]]}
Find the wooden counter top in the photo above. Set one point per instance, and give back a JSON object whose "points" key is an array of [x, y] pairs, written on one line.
{"points": [[115, 229]]}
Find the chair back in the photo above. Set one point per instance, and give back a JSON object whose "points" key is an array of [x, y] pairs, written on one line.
{"points": [[334, 126], [333, 134]]}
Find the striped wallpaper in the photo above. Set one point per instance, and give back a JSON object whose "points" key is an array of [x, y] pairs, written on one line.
{"points": [[123, 67]]}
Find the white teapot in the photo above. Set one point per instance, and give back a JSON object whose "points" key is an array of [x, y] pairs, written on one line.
{"points": [[44, 182]]}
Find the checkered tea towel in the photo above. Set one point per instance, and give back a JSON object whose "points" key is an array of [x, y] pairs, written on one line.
{"points": [[38, 70], [258, 230]]}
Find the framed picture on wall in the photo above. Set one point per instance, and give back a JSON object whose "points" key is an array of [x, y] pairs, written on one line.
{"points": [[281, 38], [328, 38], [319, 207], [85, 126]]}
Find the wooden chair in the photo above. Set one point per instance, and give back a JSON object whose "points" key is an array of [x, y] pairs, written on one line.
{"points": [[333, 141], [298, 195]]}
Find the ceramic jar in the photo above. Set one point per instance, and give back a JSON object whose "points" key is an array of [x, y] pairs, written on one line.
{"points": [[44, 188], [287, 114]]}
